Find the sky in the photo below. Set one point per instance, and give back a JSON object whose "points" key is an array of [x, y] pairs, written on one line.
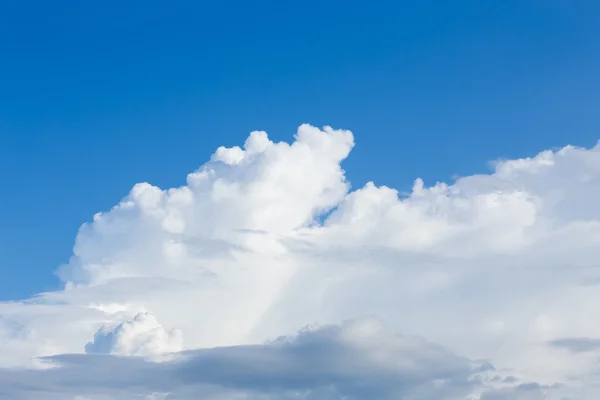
{"points": [[97, 97], [417, 182]]}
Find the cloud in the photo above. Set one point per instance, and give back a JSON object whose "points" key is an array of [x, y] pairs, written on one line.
{"points": [[270, 188], [268, 237], [141, 336], [358, 360], [526, 391], [577, 345]]}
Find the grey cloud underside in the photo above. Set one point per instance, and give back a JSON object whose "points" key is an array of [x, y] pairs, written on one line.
{"points": [[527, 391], [320, 363], [577, 345]]}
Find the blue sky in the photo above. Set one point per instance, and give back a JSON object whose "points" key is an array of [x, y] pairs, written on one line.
{"points": [[96, 96]]}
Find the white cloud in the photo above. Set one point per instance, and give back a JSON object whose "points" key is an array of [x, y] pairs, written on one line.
{"points": [[501, 267], [140, 336]]}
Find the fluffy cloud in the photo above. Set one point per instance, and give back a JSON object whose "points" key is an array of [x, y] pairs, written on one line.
{"points": [[267, 238], [234, 201], [141, 336]]}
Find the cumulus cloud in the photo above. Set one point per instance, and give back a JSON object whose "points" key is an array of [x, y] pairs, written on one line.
{"points": [[141, 336], [268, 237], [266, 188]]}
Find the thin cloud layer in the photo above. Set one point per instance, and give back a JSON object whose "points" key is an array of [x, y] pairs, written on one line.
{"points": [[266, 238]]}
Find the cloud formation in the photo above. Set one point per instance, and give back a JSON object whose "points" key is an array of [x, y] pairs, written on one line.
{"points": [[141, 336], [359, 359], [266, 238]]}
